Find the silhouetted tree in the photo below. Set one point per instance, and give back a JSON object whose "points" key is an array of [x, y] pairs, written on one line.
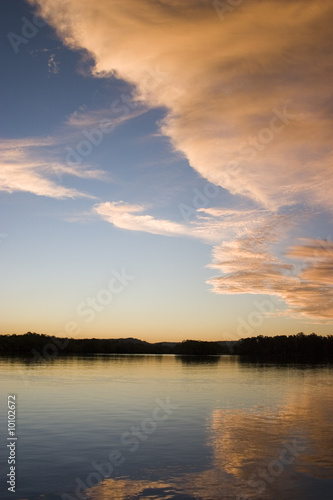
{"points": [[294, 348]]}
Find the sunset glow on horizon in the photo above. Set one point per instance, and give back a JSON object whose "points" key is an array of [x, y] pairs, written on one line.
{"points": [[166, 168]]}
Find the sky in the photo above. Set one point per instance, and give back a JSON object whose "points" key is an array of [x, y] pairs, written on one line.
{"points": [[166, 168]]}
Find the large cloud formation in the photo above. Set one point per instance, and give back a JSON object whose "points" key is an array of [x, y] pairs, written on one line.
{"points": [[249, 97], [249, 103]]}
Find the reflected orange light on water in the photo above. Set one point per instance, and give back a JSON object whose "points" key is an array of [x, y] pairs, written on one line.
{"points": [[257, 452]]}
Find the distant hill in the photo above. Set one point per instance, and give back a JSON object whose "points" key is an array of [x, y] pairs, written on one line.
{"points": [[34, 344], [282, 348]]}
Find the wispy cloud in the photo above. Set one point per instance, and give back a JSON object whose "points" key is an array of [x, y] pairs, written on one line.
{"points": [[249, 259], [250, 265], [39, 165], [248, 103], [28, 165], [125, 216], [211, 225], [209, 228], [114, 115]]}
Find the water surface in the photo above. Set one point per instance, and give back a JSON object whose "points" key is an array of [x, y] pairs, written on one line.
{"points": [[165, 427]]}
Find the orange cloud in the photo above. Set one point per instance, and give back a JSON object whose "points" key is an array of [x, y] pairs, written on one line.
{"points": [[247, 99], [212, 227], [319, 255], [249, 265], [123, 215], [248, 102]]}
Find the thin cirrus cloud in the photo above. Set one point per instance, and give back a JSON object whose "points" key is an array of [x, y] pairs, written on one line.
{"points": [[125, 216], [39, 165], [211, 227], [28, 165], [248, 102], [129, 216], [105, 118]]}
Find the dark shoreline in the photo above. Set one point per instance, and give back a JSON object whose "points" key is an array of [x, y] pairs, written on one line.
{"points": [[295, 349]]}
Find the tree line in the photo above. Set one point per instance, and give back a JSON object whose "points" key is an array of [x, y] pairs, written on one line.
{"points": [[282, 348], [292, 348], [34, 342]]}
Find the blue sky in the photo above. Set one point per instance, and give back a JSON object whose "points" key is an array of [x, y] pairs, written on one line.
{"points": [[166, 169]]}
